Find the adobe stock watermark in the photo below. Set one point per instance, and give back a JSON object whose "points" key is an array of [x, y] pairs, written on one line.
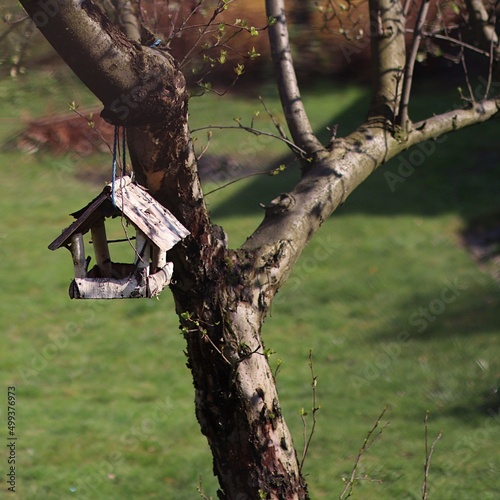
{"points": [[419, 321]]}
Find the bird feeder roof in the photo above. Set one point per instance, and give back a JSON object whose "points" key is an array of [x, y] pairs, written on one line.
{"points": [[137, 205]]}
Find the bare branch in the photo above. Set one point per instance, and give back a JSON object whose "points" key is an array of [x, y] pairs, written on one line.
{"points": [[455, 41], [466, 74], [257, 132], [127, 19], [428, 456], [296, 117], [366, 444], [273, 172], [436, 126], [315, 408], [387, 26], [482, 25], [402, 119], [202, 32]]}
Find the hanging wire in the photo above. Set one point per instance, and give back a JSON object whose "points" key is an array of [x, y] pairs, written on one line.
{"points": [[124, 151], [113, 171]]}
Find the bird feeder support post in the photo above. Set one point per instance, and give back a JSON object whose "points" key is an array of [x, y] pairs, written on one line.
{"points": [[142, 249], [101, 249], [77, 249], [159, 260]]}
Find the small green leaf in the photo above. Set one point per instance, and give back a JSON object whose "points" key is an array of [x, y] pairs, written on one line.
{"points": [[239, 69], [455, 8], [253, 53], [223, 56], [278, 170], [253, 31]]}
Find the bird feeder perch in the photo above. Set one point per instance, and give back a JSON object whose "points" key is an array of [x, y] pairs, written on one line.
{"points": [[156, 232]]}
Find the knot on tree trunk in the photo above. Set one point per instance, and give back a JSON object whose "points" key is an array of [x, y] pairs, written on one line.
{"points": [[282, 203]]}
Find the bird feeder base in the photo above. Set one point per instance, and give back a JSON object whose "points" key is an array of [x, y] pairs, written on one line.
{"points": [[137, 285]]}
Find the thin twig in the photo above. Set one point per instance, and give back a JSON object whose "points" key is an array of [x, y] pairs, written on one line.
{"points": [[207, 145], [466, 73], [218, 9], [315, 408], [428, 456], [199, 489], [257, 132], [206, 337], [276, 123], [455, 41], [274, 171], [366, 445], [74, 108], [490, 68]]}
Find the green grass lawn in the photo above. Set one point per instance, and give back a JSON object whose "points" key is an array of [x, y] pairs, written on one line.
{"points": [[392, 306]]}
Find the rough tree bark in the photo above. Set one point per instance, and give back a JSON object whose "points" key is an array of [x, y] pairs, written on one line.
{"points": [[222, 295]]}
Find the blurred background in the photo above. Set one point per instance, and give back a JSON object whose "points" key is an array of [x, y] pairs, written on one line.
{"points": [[397, 295]]}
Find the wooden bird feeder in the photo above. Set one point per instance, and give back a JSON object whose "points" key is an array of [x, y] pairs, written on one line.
{"points": [[156, 232]]}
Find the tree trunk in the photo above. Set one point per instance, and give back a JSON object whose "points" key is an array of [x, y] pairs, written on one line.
{"points": [[235, 393]]}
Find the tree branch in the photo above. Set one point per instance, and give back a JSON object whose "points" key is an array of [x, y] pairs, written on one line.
{"points": [[296, 117], [127, 19], [120, 72], [436, 126], [387, 27], [402, 118], [292, 219], [428, 456], [483, 27]]}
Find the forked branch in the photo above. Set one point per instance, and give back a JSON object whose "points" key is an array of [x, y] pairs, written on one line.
{"points": [[370, 438], [314, 409], [428, 456]]}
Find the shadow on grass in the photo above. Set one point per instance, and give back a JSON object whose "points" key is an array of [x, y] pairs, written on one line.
{"points": [[487, 403], [459, 338], [459, 174], [462, 307]]}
